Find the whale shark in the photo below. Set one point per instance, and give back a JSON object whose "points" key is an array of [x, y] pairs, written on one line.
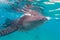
{"points": [[28, 21]]}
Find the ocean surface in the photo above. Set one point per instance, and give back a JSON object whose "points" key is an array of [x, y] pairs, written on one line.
{"points": [[50, 30]]}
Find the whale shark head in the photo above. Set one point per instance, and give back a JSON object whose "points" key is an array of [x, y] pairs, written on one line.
{"points": [[30, 22]]}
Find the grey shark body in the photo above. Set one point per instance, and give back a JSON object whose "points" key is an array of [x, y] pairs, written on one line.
{"points": [[24, 23]]}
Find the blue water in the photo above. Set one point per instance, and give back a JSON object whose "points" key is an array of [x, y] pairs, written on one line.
{"points": [[47, 31]]}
